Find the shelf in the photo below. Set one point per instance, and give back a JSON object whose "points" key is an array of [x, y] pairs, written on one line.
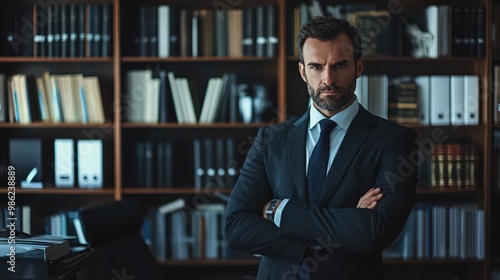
{"points": [[404, 59], [143, 191], [447, 191], [61, 191], [392, 65], [433, 262], [193, 126], [55, 125], [197, 59], [55, 59]]}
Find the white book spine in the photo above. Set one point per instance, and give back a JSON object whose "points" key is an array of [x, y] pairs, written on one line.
{"points": [[440, 100], [457, 99], [471, 88]]}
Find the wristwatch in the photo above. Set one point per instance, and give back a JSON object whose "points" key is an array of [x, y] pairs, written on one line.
{"points": [[270, 210]]}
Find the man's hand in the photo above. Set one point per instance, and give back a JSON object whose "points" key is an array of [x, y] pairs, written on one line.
{"points": [[370, 199]]}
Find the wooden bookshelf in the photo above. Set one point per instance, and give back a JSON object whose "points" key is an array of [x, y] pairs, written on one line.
{"points": [[289, 98]]}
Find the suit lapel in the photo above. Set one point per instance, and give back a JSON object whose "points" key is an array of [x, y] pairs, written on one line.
{"points": [[296, 150], [361, 127]]}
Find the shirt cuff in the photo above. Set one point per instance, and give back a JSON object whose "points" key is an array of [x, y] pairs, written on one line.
{"points": [[277, 213]]}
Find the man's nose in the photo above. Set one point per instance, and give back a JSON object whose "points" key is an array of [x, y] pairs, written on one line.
{"points": [[328, 77]]}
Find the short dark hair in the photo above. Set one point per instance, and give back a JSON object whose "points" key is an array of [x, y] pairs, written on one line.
{"points": [[327, 28]]}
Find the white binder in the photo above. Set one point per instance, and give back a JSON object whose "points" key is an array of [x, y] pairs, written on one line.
{"points": [[64, 160], [440, 100], [471, 103], [457, 99], [90, 163], [423, 95]]}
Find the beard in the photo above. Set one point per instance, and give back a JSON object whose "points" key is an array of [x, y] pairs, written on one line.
{"points": [[329, 103]]}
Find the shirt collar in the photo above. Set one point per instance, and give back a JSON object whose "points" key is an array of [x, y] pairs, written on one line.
{"points": [[342, 118]]}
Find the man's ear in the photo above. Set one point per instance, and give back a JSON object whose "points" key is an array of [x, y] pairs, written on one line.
{"points": [[360, 65], [302, 71]]}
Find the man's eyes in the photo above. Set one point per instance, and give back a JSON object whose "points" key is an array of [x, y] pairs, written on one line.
{"points": [[336, 66]]}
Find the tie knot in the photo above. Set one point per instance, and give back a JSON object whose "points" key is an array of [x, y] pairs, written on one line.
{"points": [[327, 125]]}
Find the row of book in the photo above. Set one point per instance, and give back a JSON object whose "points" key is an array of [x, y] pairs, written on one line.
{"points": [[70, 98], [167, 98], [427, 100], [214, 164], [64, 223], [154, 164], [496, 94], [20, 216], [81, 162], [441, 232], [178, 231], [168, 31], [454, 165], [438, 31], [496, 159], [58, 29]]}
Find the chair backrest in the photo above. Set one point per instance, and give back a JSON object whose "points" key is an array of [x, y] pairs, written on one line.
{"points": [[115, 229]]}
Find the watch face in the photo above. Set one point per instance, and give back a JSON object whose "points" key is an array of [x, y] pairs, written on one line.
{"points": [[270, 209]]}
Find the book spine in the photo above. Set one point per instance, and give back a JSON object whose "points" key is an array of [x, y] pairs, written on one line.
{"points": [[64, 30], [73, 30], [106, 29], [82, 34]]}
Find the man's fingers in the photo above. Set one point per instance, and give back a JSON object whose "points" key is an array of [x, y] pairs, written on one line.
{"points": [[370, 199]]}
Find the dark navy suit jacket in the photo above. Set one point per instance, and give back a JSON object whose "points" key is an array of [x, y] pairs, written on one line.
{"points": [[374, 153]]}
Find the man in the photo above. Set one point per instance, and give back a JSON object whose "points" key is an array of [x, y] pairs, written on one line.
{"points": [[280, 208]]}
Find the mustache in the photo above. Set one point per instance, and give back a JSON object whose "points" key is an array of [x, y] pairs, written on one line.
{"points": [[329, 88]]}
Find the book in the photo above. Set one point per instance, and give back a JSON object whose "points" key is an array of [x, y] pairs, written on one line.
{"points": [[3, 99], [471, 102], [164, 164], [163, 29], [403, 102], [41, 32], [64, 11], [43, 247], [73, 30], [496, 94], [90, 163], [64, 163], [457, 99], [235, 33], [207, 19], [185, 32], [106, 29], [439, 100], [92, 92], [82, 26], [260, 32], [248, 40], [272, 31], [176, 97], [221, 36]]}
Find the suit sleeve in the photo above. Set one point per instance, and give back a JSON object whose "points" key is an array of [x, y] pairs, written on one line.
{"points": [[363, 231], [245, 228]]}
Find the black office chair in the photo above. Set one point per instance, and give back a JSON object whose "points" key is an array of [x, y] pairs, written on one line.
{"points": [[115, 229]]}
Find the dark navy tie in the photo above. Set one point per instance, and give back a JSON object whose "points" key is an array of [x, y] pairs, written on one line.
{"points": [[318, 162]]}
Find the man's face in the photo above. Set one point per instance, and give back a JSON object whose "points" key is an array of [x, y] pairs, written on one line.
{"points": [[330, 72]]}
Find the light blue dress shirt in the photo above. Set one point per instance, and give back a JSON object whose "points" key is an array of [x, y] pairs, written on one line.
{"points": [[343, 120]]}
